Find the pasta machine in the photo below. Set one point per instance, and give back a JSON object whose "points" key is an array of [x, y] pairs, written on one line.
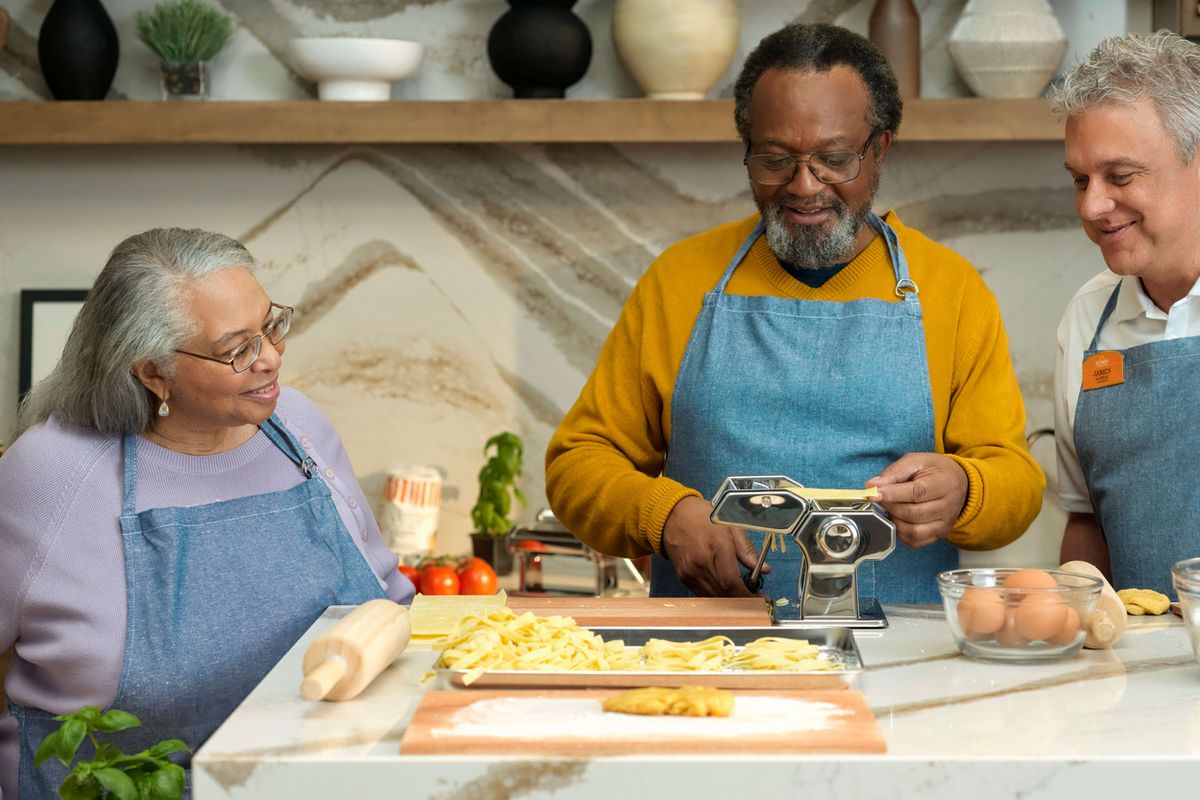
{"points": [[836, 531], [551, 560]]}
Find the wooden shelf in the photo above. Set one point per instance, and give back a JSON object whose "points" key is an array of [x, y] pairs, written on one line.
{"points": [[415, 121]]}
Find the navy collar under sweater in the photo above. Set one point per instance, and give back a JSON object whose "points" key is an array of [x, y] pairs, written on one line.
{"points": [[813, 278]]}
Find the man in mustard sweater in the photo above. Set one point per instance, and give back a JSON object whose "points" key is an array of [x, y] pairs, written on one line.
{"points": [[813, 340]]}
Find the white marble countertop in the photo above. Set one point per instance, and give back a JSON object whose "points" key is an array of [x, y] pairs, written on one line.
{"points": [[1110, 723]]}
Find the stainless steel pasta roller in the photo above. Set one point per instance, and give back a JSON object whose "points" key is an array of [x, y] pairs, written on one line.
{"points": [[836, 531]]}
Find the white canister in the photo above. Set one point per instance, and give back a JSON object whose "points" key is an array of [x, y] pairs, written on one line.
{"points": [[409, 509]]}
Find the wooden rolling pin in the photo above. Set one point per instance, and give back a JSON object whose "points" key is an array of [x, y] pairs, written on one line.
{"points": [[344, 660], [1106, 625]]}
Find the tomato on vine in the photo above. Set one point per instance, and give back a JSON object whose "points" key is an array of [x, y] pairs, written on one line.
{"points": [[476, 576], [436, 579]]}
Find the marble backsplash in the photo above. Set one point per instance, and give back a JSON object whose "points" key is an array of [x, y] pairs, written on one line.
{"points": [[447, 292]]}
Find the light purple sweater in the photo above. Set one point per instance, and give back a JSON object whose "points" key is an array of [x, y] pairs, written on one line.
{"points": [[62, 566]]}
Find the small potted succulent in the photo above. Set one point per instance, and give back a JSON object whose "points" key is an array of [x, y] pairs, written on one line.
{"points": [[186, 34], [497, 488]]}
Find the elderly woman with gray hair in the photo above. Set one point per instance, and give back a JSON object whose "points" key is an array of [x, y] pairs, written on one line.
{"points": [[171, 519]]}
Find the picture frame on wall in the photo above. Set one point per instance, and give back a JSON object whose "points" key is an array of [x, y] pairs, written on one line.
{"points": [[46, 319]]}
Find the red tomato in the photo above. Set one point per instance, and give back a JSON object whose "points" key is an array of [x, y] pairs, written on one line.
{"points": [[476, 576], [412, 574], [438, 580]]}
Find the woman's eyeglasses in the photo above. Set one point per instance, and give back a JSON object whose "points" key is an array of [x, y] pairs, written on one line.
{"points": [[243, 358]]}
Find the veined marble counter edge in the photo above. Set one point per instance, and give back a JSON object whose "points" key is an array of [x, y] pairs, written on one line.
{"points": [[278, 746]]}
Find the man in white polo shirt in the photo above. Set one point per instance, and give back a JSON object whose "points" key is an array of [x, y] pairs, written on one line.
{"points": [[1127, 382]]}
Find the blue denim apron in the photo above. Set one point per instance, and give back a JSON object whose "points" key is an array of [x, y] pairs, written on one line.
{"points": [[826, 393], [1137, 451], [216, 594]]}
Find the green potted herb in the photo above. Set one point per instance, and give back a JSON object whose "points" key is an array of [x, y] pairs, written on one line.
{"points": [[186, 34], [497, 488], [147, 775]]}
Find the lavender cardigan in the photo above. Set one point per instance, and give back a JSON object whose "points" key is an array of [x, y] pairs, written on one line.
{"points": [[62, 566]]}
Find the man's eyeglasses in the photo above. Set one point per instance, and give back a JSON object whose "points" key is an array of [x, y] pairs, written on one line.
{"points": [[243, 358], [834, 166]]}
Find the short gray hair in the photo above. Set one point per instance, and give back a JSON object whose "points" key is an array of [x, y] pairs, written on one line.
{"points": [[1161, 67], [133, 313]]}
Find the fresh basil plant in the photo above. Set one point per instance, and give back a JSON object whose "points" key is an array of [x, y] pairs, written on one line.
{"points": [[147, 775]]}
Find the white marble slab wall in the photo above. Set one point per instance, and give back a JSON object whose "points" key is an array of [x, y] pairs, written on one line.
{"points": [[449, 292]]}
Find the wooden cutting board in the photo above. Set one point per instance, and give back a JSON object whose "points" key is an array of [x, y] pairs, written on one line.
{"points": [[650, 612], [571, 723]]}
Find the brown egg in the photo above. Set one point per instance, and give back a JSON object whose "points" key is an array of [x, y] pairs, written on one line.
{"points": [[1009, 636], [1069, 629], [980, 613], [1041, 615], [1030, 579]]}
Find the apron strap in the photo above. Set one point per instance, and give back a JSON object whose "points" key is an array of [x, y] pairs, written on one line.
{"points": [[1108, 309], [739, 255], [905, 286], [129, 495], [278, 433], [274, 429]]}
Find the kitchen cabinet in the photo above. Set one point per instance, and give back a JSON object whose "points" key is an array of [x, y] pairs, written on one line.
{"points": [[1107, 723], [425, 121]]}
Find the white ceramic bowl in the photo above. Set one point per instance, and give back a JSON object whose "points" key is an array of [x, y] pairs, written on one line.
{"points": [[355, 69]]}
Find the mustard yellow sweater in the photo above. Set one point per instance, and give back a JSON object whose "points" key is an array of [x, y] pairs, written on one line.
{"points": [[604, 464]]}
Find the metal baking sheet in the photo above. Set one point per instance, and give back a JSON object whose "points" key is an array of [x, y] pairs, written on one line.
{"points": [[836, 644]]}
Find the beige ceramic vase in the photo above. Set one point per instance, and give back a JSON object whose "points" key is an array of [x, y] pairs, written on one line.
{"points": [[676, 49], [1007, 48]]}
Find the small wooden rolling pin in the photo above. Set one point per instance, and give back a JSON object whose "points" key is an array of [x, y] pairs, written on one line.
{"points": [[1106, 625], [344, 660]]}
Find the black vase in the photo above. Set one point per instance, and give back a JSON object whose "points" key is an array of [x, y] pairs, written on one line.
{"points": [[539, 47], [78, 49]]}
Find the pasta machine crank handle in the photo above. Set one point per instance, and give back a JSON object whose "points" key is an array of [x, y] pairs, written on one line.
{"points": [[753, 580]]}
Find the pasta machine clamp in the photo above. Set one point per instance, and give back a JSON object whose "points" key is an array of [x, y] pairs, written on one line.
{"points": [[836, 531]]}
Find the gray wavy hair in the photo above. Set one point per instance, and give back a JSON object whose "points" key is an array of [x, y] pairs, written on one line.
{"points": [[1161, 67], [134, 312]]}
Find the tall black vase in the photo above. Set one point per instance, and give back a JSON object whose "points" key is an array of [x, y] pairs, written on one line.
{"points": [[539, 47], [78, 49]]}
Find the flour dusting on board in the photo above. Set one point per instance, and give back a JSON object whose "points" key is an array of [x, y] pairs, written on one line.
{"points": [[582, 718]]}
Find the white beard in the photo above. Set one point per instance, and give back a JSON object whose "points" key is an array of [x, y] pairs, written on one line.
{"points": [[809, 246]]}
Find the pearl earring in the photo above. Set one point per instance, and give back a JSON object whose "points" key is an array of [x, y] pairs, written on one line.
{"points": [[164, 410]]}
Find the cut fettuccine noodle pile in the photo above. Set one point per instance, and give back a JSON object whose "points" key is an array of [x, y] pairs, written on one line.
{"points": [[502, 640]]}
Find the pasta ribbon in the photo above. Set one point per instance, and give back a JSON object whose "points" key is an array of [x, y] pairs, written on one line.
{"points": [[502, 640], [781, 655], [709, 655]]}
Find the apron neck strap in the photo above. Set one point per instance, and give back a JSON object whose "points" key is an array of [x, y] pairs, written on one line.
{"points": [[129, 494], [1104, 315], [905, 287], [278, 433], [739, 255], [273, 428]]}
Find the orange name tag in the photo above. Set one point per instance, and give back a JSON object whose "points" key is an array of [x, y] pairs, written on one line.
{"points": [[1106, 368]]}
